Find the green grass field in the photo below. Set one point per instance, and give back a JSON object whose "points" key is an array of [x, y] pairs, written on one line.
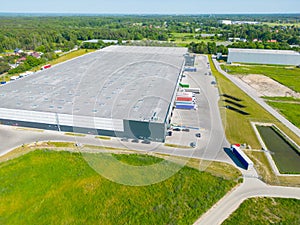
{"points": [[288, 76], [266, 211], [281, 24], [48, 187], [283, 99], [287, 106], [182, 39], [289, 110], [237, 126]]}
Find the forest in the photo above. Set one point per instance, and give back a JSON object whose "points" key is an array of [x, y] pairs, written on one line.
{"points": [[48, 33]]}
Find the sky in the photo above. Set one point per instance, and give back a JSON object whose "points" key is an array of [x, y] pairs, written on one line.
{"points": [[151, 6]]}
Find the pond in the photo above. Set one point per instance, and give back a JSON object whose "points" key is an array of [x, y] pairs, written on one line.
{"points": [[284, 153]]}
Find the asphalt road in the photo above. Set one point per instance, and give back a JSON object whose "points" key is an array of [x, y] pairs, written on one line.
{"points": [[252, 93]]}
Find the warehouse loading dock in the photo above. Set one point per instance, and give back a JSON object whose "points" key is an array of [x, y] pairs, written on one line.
{"points": [[117, 91]]}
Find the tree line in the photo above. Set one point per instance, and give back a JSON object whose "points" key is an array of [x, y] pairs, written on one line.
{"points": [[49, 33]]}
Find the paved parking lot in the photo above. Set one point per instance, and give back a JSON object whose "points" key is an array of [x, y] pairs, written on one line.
{"points": [[206, 118]]}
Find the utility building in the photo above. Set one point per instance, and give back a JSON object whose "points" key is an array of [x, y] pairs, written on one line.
{"points": [[117, 91], [262, 56]]}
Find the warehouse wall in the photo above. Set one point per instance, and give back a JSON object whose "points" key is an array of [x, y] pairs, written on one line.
{"points": [[145, 130], [276, 59], [132, 129]]}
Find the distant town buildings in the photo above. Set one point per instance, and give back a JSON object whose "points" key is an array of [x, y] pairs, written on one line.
{"points": [[237, 39], [226, 22], [230, 22]]}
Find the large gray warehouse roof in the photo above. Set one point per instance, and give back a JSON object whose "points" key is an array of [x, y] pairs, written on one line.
{"points": [[134, 83]]}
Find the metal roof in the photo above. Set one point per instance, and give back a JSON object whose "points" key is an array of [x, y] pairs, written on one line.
{"points": [[119, 82]]}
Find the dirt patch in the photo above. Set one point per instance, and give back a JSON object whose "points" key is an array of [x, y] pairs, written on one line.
{"points": [[266, 86]]}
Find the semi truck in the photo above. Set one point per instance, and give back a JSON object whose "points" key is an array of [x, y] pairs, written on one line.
{"points": [[241, 156], [193, 90], [185, 99], [185, 94], [185, 103], [190, 69], [182, 106]]}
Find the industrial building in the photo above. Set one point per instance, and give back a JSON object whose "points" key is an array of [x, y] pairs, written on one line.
{"points": [[118, 91], [262, 56]]}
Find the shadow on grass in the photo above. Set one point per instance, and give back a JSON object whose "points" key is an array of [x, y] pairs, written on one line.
{"points": [[232, 97], [234, 158], [234, 103], [237, 110]]}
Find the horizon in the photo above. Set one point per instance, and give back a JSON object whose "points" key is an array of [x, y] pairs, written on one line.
{"points": [[154, 7], [150, 14]]}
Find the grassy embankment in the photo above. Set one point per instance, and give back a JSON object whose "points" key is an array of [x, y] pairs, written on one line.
{"points": [[50, 187], [266, 211], [238, 127]]}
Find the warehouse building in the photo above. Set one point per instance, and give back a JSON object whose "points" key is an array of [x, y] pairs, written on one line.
{"points": [[262, 56], [117, 91]]}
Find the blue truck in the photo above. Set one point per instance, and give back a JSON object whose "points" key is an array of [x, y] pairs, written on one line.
{"points": [[184, 106]]}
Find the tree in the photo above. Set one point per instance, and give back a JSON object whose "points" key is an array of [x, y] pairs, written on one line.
{"points": [[212, 47]]}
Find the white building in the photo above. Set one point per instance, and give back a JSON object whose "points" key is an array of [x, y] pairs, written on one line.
{"points": [[263, 56], [226, 22]]}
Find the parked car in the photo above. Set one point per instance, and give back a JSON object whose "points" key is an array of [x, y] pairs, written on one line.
{"points": [[135, 141], [176, 129], [193, 144], [146, 142], [198, 135]]}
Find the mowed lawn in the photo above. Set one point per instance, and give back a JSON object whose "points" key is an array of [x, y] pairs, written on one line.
{"points": [[290, 110], [47, 187], [266, 211], [288, 76]]}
